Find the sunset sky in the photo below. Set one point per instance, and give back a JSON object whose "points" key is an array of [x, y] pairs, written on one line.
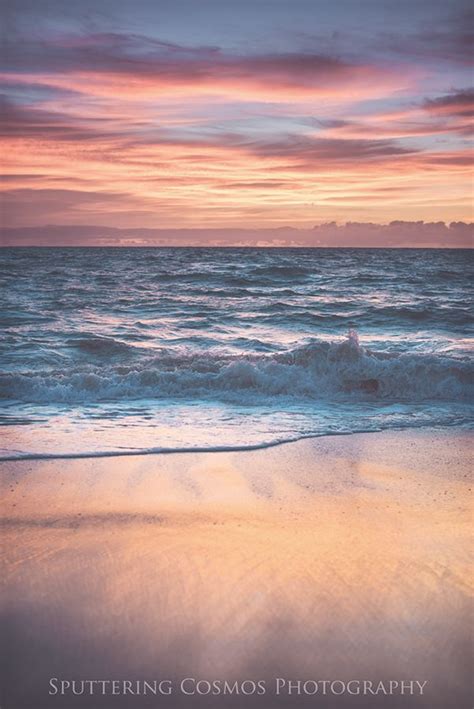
{"points": [[226, 113]]}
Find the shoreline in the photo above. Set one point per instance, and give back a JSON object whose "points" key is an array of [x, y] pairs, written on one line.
{"points": [[429, 429], [340, 557]]}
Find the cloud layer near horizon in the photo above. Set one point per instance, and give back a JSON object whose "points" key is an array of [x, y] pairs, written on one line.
{"points": [[132, 128], [397, 234]]}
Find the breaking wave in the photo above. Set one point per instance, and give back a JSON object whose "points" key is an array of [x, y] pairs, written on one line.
{"points": [[151, 350], [317, 370]]}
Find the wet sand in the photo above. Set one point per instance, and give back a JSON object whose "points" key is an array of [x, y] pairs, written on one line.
{"points": [[336, 558]]}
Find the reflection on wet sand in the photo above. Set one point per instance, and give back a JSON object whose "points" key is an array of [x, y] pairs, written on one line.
{"points": [[329, 559]]}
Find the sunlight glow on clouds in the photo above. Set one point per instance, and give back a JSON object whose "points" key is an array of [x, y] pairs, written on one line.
{"points": [[130, 128]]}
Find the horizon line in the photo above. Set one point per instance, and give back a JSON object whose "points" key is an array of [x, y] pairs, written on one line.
{"points": [[395, 234]]}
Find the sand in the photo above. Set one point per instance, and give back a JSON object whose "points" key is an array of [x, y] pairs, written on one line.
{"points": [[336, 558]]}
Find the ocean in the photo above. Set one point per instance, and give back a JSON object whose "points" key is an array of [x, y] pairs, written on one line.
{"points": [[136, 350]]}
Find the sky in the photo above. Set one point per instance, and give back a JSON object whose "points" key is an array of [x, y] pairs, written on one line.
{"points": [[226, 114]]}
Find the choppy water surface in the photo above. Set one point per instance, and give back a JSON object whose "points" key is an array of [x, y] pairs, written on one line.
{"points": [[126, 350]]}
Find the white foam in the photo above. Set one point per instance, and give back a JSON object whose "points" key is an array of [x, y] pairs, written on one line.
{"points": [[318, 370]]}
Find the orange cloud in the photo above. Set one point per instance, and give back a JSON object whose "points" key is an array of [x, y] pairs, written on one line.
{"points": [[123, 131]]}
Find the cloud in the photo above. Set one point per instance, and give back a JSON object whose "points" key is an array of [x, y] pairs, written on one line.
{"points": [[459, 104], [122, 143], [126, 129], [449, 113], [30, 122], [109, 63], [323, 151], [399, 234], [33, 90], [441, 40], [49, 204], [461, 159], [23, 177]]}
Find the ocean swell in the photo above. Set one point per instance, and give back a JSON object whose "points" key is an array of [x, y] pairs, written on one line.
{"points": [[317, 370]]}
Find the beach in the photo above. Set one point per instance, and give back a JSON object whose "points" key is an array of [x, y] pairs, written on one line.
{"points": [[334, 558]]}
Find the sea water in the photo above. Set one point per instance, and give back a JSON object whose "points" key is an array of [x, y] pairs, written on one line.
{"points": [[128, 350]]}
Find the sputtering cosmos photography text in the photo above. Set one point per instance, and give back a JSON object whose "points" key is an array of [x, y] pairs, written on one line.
{"points": [[192, 686]]}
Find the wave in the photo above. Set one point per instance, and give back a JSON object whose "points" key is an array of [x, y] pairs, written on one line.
{"points": [[282, 271], [20, 455], [96, 345], [433, 313], [317, 370], [16, 455]]}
